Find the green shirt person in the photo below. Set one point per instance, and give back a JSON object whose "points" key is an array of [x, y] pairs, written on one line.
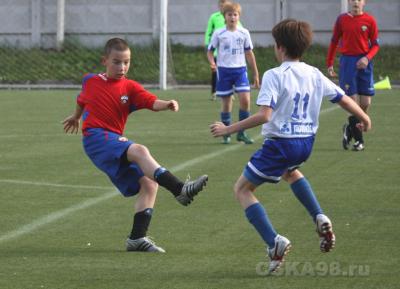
{"points": [[215, 22]]}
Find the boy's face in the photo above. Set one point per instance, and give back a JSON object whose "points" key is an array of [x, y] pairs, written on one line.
{"points": [[117, 63], [232, 19], [356, 6]]}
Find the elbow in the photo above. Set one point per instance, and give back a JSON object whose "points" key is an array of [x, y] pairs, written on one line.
{"points": [[264, 118]]}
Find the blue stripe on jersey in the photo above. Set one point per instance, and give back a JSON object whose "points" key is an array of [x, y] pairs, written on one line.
{"points": [[223, 31], [272, 104], [337, 98], [85, 115], [86, 78]]}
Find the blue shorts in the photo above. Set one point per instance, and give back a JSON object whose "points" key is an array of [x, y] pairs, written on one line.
{"points": [[353, 80], [276, 157], [230, 80], [106, 150]]}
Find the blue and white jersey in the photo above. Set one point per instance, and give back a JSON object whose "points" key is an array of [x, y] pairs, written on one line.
{"points": [[295, 91], [231, 46]]}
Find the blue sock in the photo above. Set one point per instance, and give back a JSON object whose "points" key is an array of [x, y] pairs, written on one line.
{"points": [[243, 114], [257, 216], [304, 193], [226, 118]]}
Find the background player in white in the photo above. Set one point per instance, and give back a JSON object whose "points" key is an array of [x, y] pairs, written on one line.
{"points": [[234, 47], [290, 100]]}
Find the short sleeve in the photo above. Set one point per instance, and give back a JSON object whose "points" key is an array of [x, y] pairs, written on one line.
{"points": [[330, 90], [139, 97], [214, 42], [81, 99], [269, 91], [248, 44]]}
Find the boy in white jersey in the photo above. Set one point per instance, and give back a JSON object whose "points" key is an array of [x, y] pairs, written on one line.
{"points": [[289, 100], [234, 47]]}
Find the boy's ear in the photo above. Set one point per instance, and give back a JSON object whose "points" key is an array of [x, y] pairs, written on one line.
{"points": [[281, 48], [103, 60]]}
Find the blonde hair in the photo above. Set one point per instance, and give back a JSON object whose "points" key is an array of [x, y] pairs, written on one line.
{"points": [[232, 7]]}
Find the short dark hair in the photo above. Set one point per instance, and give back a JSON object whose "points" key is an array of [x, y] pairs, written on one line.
{"points": [[295, 36], [115, 43]]}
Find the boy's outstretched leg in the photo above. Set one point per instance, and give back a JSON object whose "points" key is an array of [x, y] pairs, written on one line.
{"points": [[184, 192], [138, 241], [278, 246], [304, 193], [326, 236]]}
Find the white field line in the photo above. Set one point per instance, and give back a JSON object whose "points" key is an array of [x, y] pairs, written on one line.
{"points": [[44, 184], [52, 217], [40, 222]]}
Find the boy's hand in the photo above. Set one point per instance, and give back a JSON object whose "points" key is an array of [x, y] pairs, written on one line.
{"points": [[213, 66], [218, 129], [331, 72], [71, 124], [364, 126], [362, 63], [173, 105], [256, 82]]}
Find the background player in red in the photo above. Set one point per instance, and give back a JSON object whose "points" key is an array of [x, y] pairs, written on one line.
{"points": [[104, 104], [356, 35]]}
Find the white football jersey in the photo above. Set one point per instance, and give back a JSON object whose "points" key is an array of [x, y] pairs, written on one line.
{"points": [[231, 46], [295, 91]]}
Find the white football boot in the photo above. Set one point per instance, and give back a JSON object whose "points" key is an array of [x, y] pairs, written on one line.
{"points": [[144, 244], [277, 254], [325, 232]]}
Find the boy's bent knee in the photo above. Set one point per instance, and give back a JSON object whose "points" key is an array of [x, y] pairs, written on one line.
{"points": [[148, 185], [292, 176], [136, 151], [242, 188]]}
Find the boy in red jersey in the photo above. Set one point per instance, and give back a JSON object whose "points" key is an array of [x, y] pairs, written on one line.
{"points": [[104, 104], [356, 34]]}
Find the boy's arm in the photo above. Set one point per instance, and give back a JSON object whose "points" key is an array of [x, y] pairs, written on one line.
{"points": [[348, 104], [210, 57], [362, 63], [165, 104], [261, 117], [330, 58], [71, 123], [251, 59]]}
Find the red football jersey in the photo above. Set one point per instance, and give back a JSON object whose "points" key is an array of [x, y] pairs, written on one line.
{"points": [[108, 102], [354, 35]]}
